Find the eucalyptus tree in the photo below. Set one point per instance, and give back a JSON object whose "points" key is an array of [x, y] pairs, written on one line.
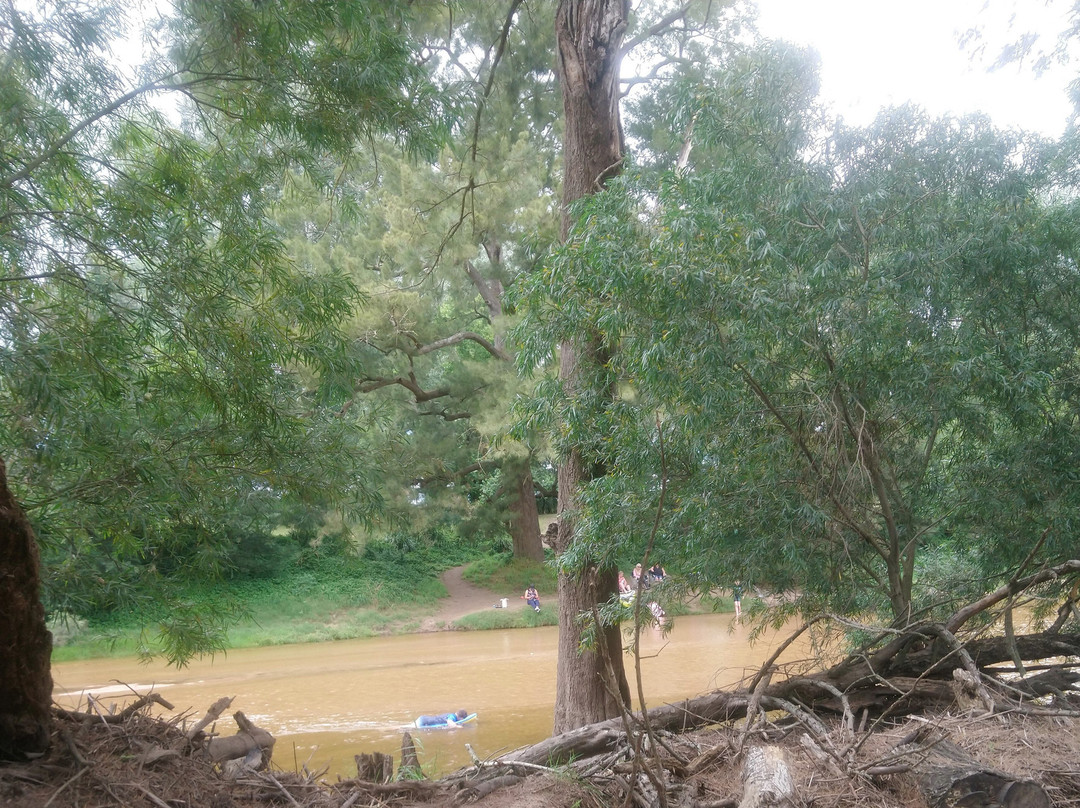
{"points": [[592, 38], [846, 359], [151, 325]]}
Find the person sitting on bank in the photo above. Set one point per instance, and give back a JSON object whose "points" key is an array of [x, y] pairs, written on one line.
{"points": [[637, 576], [440, 719], [626, 593], [532, 598], [657, 572]]}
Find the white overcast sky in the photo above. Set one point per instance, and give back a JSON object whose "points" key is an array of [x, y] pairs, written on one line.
{"points": [[878, 53]]}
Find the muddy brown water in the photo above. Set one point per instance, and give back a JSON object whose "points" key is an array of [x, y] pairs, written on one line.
{"points": [[325, 702]]}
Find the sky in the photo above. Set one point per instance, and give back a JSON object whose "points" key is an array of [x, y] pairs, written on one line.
{"points": [[878, 53]]}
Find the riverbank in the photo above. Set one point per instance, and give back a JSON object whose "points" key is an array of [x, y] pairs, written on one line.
{"points": [[465, 597], [326, 604]]}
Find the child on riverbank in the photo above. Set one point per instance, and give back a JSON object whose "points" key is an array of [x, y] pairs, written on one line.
{"points": [[532, 598]]}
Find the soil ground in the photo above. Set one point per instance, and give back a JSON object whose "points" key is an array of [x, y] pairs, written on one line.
{"points": [[463, 598]]}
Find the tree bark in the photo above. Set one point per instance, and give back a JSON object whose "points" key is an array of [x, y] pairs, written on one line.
{"points": [[767, 778], [524, 517], [589, 35], [25, 641]]}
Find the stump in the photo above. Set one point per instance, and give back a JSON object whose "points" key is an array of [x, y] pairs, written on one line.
{"points": [[374, 768], [410, 763]]}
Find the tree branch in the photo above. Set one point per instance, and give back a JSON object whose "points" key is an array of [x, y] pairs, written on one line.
{"points": [[1011, 588], [657, 27], [461, 336]]}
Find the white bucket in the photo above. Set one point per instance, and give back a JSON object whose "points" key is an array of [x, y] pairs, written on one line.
{"points": [[505, 603]]}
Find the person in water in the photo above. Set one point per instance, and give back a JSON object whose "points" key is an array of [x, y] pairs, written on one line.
{"points": [[442, 719], [532, 598]]}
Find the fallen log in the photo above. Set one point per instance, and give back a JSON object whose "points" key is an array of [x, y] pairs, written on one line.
{"points": [[948, 777], [910, 674], [596, 739], [766, 777]]}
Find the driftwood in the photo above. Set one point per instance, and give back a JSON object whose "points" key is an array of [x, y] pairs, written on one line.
{"points": [[949, 777], [120, 717], [212, 715], [247, 740], [911, 674]]}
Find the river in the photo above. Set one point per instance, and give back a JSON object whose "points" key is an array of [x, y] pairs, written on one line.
{"points": [[325, 702]]}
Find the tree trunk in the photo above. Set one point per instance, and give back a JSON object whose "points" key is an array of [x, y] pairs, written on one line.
{"points": [[589, 35], [524, 516], [583, 693], [25, 642], [767, 778]]}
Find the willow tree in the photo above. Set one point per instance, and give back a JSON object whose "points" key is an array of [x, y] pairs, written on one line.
{"points": [[150, 322]]}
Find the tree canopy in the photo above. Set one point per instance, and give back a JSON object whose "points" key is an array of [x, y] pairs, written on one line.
{"points": [[857, 348], [153, 328]]}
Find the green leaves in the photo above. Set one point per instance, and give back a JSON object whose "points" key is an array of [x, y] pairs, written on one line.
{"points": [[159, 350], [858, 343]]}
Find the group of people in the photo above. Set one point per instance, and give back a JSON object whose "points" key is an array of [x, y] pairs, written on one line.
{"points": [[645, 580], [654, 574]]}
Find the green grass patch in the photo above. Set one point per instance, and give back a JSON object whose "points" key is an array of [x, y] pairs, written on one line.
{"points": [[508, 618], [504, 573], [719, 604], [92, 645]]}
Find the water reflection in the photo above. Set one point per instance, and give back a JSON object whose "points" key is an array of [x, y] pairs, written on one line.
{"points": [[325, 702]]}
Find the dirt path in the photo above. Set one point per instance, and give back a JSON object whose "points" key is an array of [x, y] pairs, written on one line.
{"points": [[464, 598]]}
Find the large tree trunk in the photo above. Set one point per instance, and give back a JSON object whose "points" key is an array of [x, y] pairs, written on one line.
{"points": [[589, 35], [524, 516], [25, 642]]}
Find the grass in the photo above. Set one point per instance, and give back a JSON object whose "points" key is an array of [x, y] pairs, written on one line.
{"points": [[390, 589], [503, 573], [507, 618]]}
